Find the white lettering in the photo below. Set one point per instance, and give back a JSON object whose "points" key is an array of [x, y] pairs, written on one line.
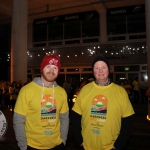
{"points": [[71, 17], [118, 12], [3, 124], [41, 22]]}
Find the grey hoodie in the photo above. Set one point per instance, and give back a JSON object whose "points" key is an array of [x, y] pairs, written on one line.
{"points": [[19, 121]]}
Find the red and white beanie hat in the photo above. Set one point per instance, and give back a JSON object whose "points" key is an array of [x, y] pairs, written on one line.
{"points": [[50, 60]]}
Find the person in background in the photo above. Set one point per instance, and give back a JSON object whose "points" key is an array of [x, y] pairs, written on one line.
{"points": [[122, 84], [127, 87], [135, 88], [13, 90], [28, 81], [84, 82], [41, 114], [143, 89], [102, 115], [90, 80], [6, 94], [148, 95], [67, 87]]}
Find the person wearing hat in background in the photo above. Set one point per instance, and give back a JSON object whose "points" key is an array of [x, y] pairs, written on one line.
{"points": [[41, 116], [102, 115]]}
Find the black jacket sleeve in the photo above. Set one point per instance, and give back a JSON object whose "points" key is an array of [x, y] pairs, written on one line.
{"points": [[76, 126], [125, 132]]}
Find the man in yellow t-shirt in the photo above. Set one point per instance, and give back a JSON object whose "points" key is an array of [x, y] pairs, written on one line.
{"points": [[102, 115], [41, 116], [135, 87]]}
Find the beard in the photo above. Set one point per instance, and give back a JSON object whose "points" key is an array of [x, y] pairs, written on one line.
{"points": [[49, 77]]}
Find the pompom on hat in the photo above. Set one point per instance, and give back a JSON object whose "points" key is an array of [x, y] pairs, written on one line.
{"points": [[100, 58], [50, 60]]}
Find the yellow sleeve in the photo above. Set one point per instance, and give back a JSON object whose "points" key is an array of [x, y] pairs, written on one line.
{"points": [[21, 106], [127, 109], [77, 104]]}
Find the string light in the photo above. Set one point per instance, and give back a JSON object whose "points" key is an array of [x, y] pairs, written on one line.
{"points": [[97, 50]]}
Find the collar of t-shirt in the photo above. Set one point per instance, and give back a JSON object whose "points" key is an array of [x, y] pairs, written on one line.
{"points": [[107, 83]]}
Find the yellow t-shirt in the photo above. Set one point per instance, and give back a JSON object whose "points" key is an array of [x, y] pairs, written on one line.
{"points": [[102, 108], [148, 93], [42, 112], [127, 88], [13, 93], [135, 85]]}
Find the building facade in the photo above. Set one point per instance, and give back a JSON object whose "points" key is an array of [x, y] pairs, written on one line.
{"points": [[118, 34]]}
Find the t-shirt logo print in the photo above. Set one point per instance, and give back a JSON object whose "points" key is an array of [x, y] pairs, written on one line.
{"points": [[99, 108], [48, 108]]}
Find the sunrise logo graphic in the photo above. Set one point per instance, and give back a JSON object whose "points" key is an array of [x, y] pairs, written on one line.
{"points": [[99, 107], [48, 105]]}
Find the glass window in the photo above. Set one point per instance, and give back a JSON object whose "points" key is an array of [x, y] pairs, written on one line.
{"points": [[55, 31], [119, 78], [29, 76], [137, 36], [86, 69], [28, 71], [61, 70], [55, 43], [91, 40], [72, 29], [131, 77], [136, 23], [116, 25], [73, 70], [116, 38], [111, 76], [40, 45], [36, 71], [126, 68], [90, 28], [72, 42], [144, 67], [40, 33], [60, 79], [87, 76], [144, 74], [75, 80]]}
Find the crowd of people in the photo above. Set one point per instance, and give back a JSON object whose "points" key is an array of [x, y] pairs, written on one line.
{"points": [[136, 90], [101, 117], [9, 93], [73, 87]]}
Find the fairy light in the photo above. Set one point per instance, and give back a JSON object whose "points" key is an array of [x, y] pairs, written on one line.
{"points": [[96, 50]]}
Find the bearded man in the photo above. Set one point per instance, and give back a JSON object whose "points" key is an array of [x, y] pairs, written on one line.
{"points": [[41, 116]]}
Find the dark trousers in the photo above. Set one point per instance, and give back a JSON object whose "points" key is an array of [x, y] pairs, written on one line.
{"points": [[143, 96], [136, 96], [58, 147], [13, 102], [70, 101], [6, 102]]}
